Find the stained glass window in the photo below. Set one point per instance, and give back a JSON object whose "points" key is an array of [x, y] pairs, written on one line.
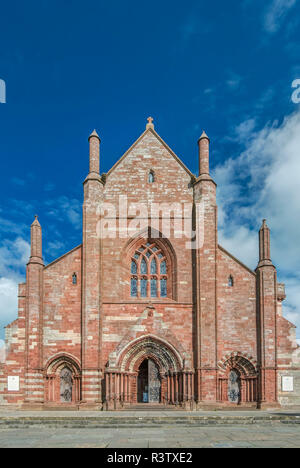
{"points": [[153, 287], [154, 263], [144, 267], [153, 267], [133, 267], [163, 287], [144, 287], [163, 268], [133, 287]]}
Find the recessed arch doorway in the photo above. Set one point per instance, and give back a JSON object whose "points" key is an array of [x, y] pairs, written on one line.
{"points": [[149, 382]]}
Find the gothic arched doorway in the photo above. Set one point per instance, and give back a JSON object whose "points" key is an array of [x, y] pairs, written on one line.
{"points": [[149, 383], [66, 385], [234, 387], [238, 381], [63, 380], [150, 370]]}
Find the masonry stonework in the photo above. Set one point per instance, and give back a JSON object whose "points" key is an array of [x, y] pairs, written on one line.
{"points": [[140, 313]]}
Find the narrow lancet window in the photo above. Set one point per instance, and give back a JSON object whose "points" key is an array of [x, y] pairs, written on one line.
{"points": [[163, 268], [151, 177], [230, 281], [153, 287], [74, 278], [153, 267], [133, 287], [133, 268], [144, 287], [163, 287], [144, 267]]}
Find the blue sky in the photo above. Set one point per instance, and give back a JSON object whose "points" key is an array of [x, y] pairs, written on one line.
{"points": [[71, 66]]}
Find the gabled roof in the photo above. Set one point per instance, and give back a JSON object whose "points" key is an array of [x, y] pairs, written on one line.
{"points": [[236, 260], [151, 130], [62, 256]]}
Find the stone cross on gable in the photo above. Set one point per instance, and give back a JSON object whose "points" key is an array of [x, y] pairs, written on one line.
{"points": [[150, 123]]}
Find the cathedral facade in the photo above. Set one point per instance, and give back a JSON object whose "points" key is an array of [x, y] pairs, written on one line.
{"points": [[150, 309]]}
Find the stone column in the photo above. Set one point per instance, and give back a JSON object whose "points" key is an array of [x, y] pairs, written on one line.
{"points": [[267, 320], [205, 279], [34, 380], [91, 280]]}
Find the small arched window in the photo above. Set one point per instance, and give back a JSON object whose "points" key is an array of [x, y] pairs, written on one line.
{"points": [[230, 281], [149, 272], [151, 177], [74, 278]]}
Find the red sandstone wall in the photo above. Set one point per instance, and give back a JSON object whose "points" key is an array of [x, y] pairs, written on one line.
{"points": [[236, 308], [62, 307], [286, 340], [124, 323], [130, 178], [15, 353], [121, 314]]}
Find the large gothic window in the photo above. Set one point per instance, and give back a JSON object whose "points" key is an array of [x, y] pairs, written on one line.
{"points": [[149, 272]]}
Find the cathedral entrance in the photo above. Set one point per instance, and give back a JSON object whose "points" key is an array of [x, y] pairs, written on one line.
{"points": [[149, 383], [234, 387], [66, 385]]}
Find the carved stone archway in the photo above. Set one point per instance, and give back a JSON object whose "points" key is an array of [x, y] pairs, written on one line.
{"points": [[238, 379], [121, 382], [63, 380]]}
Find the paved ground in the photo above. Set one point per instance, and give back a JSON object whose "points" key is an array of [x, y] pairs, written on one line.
{"points": [[125, 414], [279, 436], [149, 429]]}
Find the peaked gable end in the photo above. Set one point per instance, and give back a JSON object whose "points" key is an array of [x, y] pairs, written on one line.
{"points": [[161, 141]]}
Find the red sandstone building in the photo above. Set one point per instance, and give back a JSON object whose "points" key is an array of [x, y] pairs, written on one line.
{"points": [[140, 317]]}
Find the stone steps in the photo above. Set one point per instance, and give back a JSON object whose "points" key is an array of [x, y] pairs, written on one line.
{"points": [[142, 421], [149, 407]]}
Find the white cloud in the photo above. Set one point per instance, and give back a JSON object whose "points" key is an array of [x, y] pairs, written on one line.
{"points": [[233, 81], [242, 132], [13, 257], [65, 208], [241, 242], [9, 300], [55, 247], [276, 13], [245, 129], [263, 182]]}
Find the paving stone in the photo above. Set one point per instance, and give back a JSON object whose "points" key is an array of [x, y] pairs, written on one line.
{"points": [[219, 437]]}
